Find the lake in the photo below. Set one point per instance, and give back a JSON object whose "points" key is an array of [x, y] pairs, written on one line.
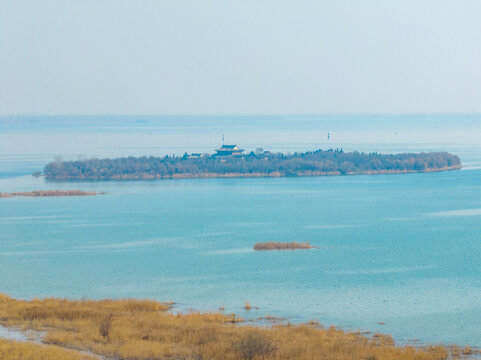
{"points": [[402, 250]]}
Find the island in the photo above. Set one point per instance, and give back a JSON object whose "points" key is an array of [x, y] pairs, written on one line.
{"points": [[50, 193], [230, 161]]}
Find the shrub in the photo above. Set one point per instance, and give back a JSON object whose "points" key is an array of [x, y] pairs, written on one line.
{"points": [[253, 344], [105, 326]]}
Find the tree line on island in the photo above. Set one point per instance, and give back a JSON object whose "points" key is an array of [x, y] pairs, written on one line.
{"points": [[311, 163]]}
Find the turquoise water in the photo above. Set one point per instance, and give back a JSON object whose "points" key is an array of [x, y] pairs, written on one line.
{"points": [[398, 249]]}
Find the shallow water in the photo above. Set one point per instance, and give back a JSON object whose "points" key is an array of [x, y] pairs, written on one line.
{"points": [[12, 334], [398, 249]]}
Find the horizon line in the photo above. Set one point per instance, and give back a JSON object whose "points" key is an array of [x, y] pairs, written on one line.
{"points": [[250, 114]]}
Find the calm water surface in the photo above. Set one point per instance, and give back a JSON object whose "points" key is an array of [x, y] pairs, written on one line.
{"points": [[399, 249]]}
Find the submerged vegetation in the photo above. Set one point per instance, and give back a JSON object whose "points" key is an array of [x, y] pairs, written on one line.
{"points": [[144, 329], [312, 163], [48, 193], [276, 245]]}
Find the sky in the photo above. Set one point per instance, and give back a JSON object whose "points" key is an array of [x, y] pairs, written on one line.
{"points": [[240, 57]]}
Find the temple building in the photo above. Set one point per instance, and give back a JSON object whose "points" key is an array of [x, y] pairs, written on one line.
{"points": [[229, 150]]}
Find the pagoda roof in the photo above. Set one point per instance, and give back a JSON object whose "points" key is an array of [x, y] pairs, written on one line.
{"points": [[230, 148]]}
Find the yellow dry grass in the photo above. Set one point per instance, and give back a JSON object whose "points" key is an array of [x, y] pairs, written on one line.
{"points": [[144, 329], [12, 350]]}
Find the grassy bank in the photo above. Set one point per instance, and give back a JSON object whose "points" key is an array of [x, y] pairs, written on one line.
{"points": [[144, 329]]}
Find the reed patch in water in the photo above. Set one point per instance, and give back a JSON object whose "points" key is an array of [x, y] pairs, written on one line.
{"points": [[52, 193], [277, 245]]}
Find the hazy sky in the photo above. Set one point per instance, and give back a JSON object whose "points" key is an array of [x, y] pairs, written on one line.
{"points": [[239, 57]]}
